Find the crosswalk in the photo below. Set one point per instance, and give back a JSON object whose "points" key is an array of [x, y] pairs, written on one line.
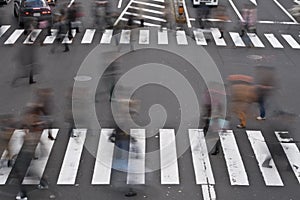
{"points": [[143, 37], [168, 157]]}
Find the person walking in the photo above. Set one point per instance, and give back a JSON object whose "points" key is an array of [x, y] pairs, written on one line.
{"points": [[61, 26]]}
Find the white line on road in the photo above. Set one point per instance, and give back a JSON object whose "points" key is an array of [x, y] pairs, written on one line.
{"points": [[270, 174], [255, 40], [168, 157], [162, 37], [3, 29], [292, 42], [285, 11], [16, 142], [216, 35], [106, 37], [237, 40], [291, 151], [37, 166], [236, 10], [273, 40], [148, 4], [277, 22], [14, 37], [139, 22], [123, 12], [71, 2], [188, 21], [136, 158], [208, 192], [33, 36], [199, 37], [144, 37], [88, 36], [120, 4], [67, 40], [202, 167], [146, 17], [104, 158], [69, 168], [234, 162], [125, 37], [181, 38], [147, 10], [51, 38], [254, 2]]}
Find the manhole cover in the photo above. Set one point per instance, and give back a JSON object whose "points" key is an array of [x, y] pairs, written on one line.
{"points": [[82, 78], [255, 57]]}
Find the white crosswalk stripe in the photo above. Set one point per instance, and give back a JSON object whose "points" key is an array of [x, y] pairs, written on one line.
{"points": [[273, 40], [199, 37], [169, 169], [67, 40], [51, 38], [291, 151], [217, 37], [237, 39], [37, 166], [235, 166], [32, 36], [68, 172], [15, 143], [104, 158], [270, 174], [255, 40], [14, 36], [163, 37], [125, 37], [168, 157], [3, 29], [291, 41], [88, 36], [144, 37], [106, 37], [136, 158], [181, 38]]}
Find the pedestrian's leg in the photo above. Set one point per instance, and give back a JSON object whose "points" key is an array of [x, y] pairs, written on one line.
{"points": [[66, 47], [242, 118], [31, 81], [262, 108]]}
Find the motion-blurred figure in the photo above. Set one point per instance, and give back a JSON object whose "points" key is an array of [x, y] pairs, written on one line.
{"points": [[62, 29], [27, 64], [249, 14], [100, 11], [203, 13], [265, 80], [243, 94], [221, 14]]}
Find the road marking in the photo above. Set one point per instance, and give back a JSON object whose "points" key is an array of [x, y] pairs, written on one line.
{"points": [[208, 192], [125, 37], [51, 38], [291, 151], [145, 23], [297, 2], [148, 4], [162, 37], [255, 40], [15, 143], [3, 29], [14, 36], [120, 4], [237, 40], [186, 13], [106, 37], [161, 1], [104, 158], [67, 40], [202, 167], [199, 37], [254, 2], [216, 35], [292, 42], [88, 36], [146, 17], [37, 167], [271, 175], [285, 11], [123, 12], [33, 35], [168, 157], [68, 172], [234, 162], [276, 22], [144, 37], [71, 2], [181, 38], [136, 158], [147, 10], [236, 10], [273, 40]]}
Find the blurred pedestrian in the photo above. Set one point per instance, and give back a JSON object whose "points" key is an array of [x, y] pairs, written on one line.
{"points": [[27, 64], [62, 29], [265, 80], [221, 14], [203, 13], [243, 94]]}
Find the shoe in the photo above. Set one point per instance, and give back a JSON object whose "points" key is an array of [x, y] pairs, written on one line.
{"points": [[32, 82], [66, 50], [130, 194], [216, 152], [51, 137], [42, 187], [260, 118], [240, 126], [21, 196]]}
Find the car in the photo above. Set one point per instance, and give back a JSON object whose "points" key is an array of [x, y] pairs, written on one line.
{"points": [[28, 9]]}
